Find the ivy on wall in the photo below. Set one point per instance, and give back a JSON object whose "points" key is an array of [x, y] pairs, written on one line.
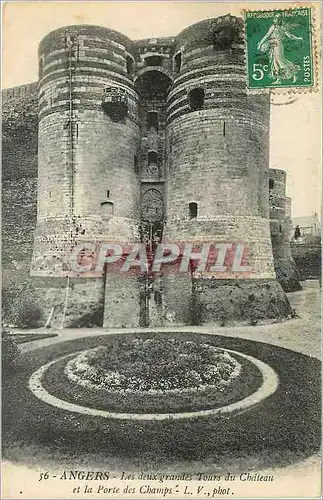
{"points": [[19, 137], [20, 118]]}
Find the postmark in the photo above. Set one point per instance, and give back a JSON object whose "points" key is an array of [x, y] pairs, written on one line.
{"points": [[279, 48]]}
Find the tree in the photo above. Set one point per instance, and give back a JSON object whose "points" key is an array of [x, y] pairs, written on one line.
{"points": [[297, 232]]}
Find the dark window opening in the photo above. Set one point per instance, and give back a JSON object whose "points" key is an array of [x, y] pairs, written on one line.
{"points": [[280, 229], [271, 184], [152, 158], [108, 193], [153, 85], [152, 120], [178, 62], [193, 210], [154, 61], [196, 99], [223, 129], [136, 164], [50, 194], [129, 65]]}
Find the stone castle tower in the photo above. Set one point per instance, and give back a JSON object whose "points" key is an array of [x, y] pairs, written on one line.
{"points": [[280, 230], [153, 140]]}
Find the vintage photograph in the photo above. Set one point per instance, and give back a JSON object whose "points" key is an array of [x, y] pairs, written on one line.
{"points": [[161, 249]]}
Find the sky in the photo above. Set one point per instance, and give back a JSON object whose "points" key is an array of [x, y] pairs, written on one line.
{"points": [[295, 138]]}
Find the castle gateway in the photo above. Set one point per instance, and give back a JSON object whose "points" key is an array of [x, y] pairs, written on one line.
{"points": [[150, 141]]}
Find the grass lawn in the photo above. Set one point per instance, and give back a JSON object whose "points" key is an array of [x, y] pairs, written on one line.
{"points": [[285, 425], [57, 383], [21, 338]]}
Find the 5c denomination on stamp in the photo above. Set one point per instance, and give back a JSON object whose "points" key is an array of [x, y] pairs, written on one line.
{"points": [[279, 48]]}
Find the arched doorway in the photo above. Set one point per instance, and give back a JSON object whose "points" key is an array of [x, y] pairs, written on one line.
{"points": [[152, 217]]}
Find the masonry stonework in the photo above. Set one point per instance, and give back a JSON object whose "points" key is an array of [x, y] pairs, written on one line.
{"points": [[149, 141], [280, 229], [88, 189], [19, 192], [217, 158]]}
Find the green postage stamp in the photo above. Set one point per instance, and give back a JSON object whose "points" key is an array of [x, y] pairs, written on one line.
{"points": [[279, 48]]}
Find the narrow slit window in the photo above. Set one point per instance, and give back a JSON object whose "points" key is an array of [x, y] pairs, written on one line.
{"points": [[129, 65], [108, 193], [271, 184], [192, 210], [178, 62], [196, 99], [136, 164]]}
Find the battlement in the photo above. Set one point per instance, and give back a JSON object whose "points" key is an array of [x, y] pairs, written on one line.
{"points": [[19, 91], [163, 44]]}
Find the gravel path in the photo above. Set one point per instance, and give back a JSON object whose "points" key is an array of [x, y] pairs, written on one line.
{"points": [[301, 334]]}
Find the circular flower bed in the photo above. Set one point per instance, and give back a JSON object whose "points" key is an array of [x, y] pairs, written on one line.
{"points": [[154, 366], [155, 374], [291, 415]]}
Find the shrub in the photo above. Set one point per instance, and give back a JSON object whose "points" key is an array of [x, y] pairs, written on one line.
{"points": [[26, 313], [88, 320], [10, 351], [20, 309], [7, 300], [29, 315]]}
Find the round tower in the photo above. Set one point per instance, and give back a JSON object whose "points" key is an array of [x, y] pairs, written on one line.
{"points": [[217, 175], [280, 230], [88, 188]]}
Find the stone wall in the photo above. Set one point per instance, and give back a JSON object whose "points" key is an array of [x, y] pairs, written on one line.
{"points": [[280, 227], [308, 259], [19, 191]]}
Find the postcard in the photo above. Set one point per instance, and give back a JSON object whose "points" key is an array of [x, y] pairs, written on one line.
{"points": [[161, 272]]}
